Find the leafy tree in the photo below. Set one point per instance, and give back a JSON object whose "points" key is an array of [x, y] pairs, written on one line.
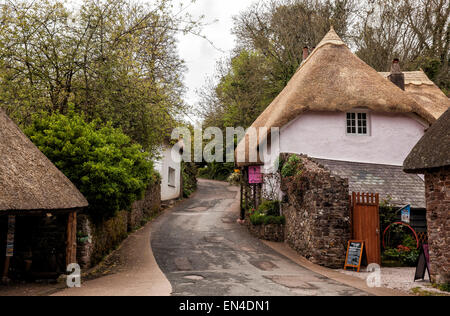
{"points": [[115, 60], [242, 93], [101, 161], [415, 31], [280, 29]]}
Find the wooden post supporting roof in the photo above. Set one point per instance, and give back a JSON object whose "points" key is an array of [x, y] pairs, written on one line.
{"points": [[9, 245], [6, 270], [71, 250]]}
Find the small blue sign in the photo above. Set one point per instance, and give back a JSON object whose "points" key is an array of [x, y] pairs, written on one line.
{"points": [[406, 214]]}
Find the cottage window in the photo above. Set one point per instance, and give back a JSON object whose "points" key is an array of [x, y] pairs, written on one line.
{"points": [[171, 177], [357, 123]]}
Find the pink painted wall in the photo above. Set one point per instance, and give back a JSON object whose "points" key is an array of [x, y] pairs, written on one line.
{"points": [[323, 135]]}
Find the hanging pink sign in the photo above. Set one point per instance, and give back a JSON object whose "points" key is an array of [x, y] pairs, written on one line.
{"points": [[255, 175]]}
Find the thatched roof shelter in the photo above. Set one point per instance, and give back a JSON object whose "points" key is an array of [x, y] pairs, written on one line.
{"points": [[433, 150], [29, 182], [332, 78], [419, 87]]}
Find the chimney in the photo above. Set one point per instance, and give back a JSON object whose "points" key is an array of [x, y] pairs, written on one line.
{"points": [[305, 53], [397, 77]]}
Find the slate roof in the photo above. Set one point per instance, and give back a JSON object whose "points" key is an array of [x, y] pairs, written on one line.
{"points": [[386, 180]]}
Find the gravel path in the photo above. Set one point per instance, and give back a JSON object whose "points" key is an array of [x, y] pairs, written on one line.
{"points": [[401, 279]]}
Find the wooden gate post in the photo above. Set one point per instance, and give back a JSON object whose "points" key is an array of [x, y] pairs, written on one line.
{"points": [[9, 246], [71, 250]]}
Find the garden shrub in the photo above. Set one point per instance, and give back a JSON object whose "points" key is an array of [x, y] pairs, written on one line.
{"points": [[234, 178], [402, 256], [270, 208], [258, 219], [216, 171], [291, 167], [100, 160], [405, 254], [189, 172], [401, 246], [444, 287]]}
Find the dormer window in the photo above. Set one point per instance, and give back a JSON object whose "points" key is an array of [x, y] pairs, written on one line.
{"points": [[357, 123]]}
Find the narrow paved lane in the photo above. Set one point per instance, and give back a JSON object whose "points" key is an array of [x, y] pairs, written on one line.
{"points": [[203, 251]]}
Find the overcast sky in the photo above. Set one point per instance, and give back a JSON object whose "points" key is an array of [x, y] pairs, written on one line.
{"points": [[200, 56]]}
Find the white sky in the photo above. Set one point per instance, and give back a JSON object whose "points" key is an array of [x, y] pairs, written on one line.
{"points": [[200, 56]]}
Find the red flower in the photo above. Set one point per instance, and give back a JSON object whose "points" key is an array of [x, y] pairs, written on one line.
{"points": [[403, 248]]}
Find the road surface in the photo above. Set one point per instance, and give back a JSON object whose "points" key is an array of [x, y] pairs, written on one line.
{"points": [[203, 251]]}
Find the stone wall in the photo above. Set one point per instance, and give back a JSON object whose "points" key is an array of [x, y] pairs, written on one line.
{"points": [[270, 232], [145, 209], [317, 214], [95, 241], [437, 188]]}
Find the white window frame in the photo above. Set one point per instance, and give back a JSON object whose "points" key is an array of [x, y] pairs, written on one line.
{"points": [[368, 123], [171, 178]]}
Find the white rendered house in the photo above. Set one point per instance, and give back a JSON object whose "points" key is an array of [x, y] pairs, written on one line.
{"points": [[169, 167]]}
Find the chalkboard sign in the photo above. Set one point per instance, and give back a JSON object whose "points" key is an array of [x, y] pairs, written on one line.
{"points": [[355, 253], [423, 264]]}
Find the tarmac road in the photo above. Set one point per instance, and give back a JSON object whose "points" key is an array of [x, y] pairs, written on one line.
{"points": [[203, 251]]}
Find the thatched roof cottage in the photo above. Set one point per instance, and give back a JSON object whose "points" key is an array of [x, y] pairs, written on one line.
{"points": [[337, 108], [30, 185], [356, 125]]}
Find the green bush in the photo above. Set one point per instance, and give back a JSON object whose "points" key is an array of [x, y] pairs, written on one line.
{"points": [[444, 287], [270, 208], [277, 220], [234, 178], [403, 258], [101, 161], [258, 219], [402, 245], [216, 171], [189, 171], [291, 167]]}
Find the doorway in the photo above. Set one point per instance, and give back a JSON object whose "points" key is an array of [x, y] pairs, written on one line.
{"points": [[366, 223]]}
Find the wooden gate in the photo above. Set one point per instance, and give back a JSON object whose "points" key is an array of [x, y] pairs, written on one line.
{"points": [[366, 223]]}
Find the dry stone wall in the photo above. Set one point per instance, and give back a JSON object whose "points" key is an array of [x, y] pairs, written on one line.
{"points": [[437, 188], [95, 241], [317, 214]]}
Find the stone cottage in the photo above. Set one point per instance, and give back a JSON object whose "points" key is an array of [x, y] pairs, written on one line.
{"points": [[431, 156], [38, 208]]}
